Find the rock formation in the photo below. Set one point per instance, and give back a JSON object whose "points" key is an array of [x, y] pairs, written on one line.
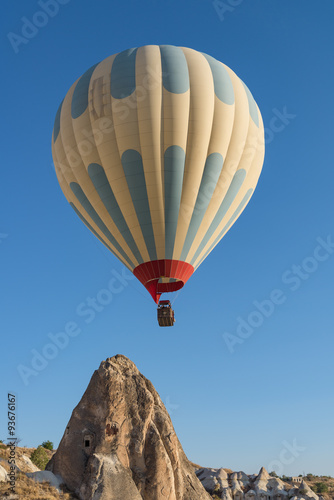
{"points": [[239, 486], [304, 491], [120, 443], [44, 475], [3, 475], [26, 465], [211, 478], [22, 462]]}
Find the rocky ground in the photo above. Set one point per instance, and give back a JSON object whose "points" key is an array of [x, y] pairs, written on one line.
{"points": [[29, 488], [219, 483]]}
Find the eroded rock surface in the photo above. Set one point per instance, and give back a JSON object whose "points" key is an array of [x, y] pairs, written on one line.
{"points": [[240, 486], [120, 443], [44, 475], [3, 475]]}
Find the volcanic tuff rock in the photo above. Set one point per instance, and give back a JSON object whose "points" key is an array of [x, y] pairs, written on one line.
{"points": [[239, 486], [120, 443], [45, 475], [3, 475], [304, 491], [22, 462]]}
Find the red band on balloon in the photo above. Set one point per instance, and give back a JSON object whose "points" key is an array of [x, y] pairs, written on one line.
{"points": [[149, 274]]}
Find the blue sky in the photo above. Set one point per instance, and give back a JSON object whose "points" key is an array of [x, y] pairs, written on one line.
{"points": [[239, 396]]}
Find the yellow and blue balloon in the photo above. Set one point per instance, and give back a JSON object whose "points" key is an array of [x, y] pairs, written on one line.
{"points": [[158, 149]]}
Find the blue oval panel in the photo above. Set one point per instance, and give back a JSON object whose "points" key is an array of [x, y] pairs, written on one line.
{"points": [[56, 127], [222, 81], [175, 75], [174, 161], [211, 173], [229, 223], [80, 95], [232, 192], [252, 106], [123, 74]]}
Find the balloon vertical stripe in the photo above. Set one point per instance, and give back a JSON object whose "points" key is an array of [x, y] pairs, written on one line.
{"points": [[232, 192], [173, 174], [134, 173], [236, 214], [102, 186], [212, 170]]}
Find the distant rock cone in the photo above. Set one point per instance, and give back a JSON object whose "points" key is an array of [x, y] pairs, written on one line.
{"points": [[263, 475], [120, 443], [305, 491]]}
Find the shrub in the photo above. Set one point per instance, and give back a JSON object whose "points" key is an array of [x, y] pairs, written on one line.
{"points": [[273, 474], [39, 457], [321, 487], [48, 445], [216, 494]]}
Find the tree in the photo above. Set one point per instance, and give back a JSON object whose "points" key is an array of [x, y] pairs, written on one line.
{"points": [[273, 474], [39, 457], [48, 445]]}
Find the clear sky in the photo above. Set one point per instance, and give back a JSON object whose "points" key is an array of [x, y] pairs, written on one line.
{"points": [[242, 397]]}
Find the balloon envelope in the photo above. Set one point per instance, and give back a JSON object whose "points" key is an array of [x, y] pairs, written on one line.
{"points": [[158, 149]]}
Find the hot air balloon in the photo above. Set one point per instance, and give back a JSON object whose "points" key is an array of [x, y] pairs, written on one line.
{"points": [[158, 150]]}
